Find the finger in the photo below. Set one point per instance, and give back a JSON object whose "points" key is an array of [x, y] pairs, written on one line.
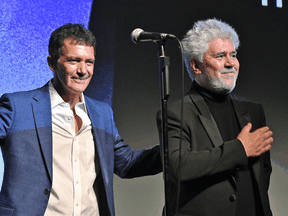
{"points": [[263, 129], [268, 134], [247, 127], [266, 143], [270, 140], [262, 150], [267, 148]]}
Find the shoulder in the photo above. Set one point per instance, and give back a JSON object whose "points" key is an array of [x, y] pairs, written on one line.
{"points": [[245, 102], [187, 102], [21, 97], [101, 115], [97, 107], [254, 109], [187, 105], [24, 95], [97, 103]]}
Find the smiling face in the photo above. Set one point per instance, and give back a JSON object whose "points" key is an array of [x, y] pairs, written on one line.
{"points": [[74, 69], [219, 70]]}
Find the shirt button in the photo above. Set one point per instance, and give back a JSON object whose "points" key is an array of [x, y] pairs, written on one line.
{"points": [[46, 191], [232, 198]]}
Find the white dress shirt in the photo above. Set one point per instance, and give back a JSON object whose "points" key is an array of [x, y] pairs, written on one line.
{"points": [[73, 161]]}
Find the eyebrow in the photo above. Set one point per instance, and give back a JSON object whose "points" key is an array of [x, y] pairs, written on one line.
{"points": [[90, 60], [223, 52], [77, 58]]}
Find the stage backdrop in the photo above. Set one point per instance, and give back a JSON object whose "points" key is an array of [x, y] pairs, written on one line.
{"points": [[131, 70]]}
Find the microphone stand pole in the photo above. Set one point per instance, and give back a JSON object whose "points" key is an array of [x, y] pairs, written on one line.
{"points": [[164, 63]]}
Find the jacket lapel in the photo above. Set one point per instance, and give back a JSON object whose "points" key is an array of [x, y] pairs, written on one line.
{"points": [[41, 108], [206, 118], [243, 117], [242, 114], [100, 153], [208, 122]]}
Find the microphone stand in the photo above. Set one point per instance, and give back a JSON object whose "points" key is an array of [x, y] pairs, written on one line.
{"points": [[164, 63]]}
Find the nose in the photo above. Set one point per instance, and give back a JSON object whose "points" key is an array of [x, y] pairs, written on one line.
{"points": [[229, 62], [82, 68]]}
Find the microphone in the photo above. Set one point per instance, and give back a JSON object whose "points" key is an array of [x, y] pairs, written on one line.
{"points": [[138, 35]]}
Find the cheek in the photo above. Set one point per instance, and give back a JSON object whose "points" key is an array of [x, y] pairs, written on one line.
{"points": [[91, 70], [216, 68], [237, 66], [216, 65]]}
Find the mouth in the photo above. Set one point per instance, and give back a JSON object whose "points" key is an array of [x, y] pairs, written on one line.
{"points": [[228, 74], [79, 80]]}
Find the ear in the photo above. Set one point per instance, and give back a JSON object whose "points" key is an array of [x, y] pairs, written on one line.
{"points": [[51, 63], [196, 66]]}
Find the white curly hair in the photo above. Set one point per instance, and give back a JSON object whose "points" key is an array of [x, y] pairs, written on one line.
{"points": [[196, 41]]}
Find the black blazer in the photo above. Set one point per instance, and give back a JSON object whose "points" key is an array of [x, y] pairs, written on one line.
{"points": [[207, 184]]}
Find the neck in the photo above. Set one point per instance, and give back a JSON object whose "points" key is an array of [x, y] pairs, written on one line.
{"points": [[67, 95], [206, 93]]}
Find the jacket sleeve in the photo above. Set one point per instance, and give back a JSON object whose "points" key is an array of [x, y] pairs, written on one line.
{"points": [[129, 163], [6, 116]]}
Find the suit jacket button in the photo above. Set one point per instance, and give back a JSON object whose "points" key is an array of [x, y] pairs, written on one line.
{"points": [[232, 198], [46, 191]]}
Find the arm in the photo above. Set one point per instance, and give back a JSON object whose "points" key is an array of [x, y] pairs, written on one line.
{"points": [[6, 116], [129, 163]]}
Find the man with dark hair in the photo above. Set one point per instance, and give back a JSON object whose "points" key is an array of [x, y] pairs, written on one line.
{"points": [[225, 163], [75, 31], [61, 148]]}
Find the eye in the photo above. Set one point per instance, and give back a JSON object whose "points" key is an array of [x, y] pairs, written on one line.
{"points": [[73, 61], [90, 62], [234, 55], [219, 56]]}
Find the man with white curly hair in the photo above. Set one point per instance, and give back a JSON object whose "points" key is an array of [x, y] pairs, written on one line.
{"points": [[225, 161]]}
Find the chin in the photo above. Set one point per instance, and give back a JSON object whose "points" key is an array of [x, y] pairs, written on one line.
{"points": [[77, 90], [227, 89], [222, 89]]}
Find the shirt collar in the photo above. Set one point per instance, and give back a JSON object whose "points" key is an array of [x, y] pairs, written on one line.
{"points": [[57, 100]]}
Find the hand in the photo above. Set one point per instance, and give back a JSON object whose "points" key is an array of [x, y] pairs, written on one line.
{"points": [[257, 142]]}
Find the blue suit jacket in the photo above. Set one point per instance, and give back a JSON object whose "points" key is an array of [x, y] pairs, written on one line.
{"points": [[26, 143]]}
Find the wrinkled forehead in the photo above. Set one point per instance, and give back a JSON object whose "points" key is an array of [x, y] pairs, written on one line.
{"points": [[71, 44], [220, 45]]}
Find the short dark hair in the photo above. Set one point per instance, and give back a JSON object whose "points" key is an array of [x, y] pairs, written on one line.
{"points": [[75, 31]]}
